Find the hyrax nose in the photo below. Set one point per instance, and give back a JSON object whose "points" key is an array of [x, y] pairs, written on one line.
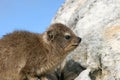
{"points": [[79, 39]]}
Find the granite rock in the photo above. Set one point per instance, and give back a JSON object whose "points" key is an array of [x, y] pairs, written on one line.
{"points": [[98, 23]]}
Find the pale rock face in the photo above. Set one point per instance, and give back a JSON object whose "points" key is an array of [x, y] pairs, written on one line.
{"points": [[98, 23], [84, 75]]}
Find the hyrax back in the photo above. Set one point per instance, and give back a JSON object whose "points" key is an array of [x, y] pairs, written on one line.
{"points": [[26, 55]]}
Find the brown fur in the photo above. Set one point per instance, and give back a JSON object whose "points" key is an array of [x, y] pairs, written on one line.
{"points": [[26, 55]]}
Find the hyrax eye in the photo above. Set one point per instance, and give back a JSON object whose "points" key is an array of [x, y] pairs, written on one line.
{"points": [[67, 37]]}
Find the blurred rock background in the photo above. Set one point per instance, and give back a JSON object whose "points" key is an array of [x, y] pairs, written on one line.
{"points": [[98, 23]]}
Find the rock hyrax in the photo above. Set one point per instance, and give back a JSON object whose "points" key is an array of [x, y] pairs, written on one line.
{"points": [[25, 55]]}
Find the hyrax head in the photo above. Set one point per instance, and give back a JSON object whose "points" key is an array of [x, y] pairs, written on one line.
{"points": [[62, 37]]}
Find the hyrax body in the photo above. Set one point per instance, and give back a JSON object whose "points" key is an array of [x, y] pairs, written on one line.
{"points": [[25, 55]]}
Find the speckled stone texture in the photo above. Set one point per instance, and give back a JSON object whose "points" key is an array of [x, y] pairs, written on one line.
{"points": [[98, 23]]}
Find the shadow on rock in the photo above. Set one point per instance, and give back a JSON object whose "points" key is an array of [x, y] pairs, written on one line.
{"points": [[71, 70]]}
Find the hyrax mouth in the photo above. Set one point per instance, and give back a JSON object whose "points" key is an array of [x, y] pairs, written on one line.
{"points": [[77, 42]]}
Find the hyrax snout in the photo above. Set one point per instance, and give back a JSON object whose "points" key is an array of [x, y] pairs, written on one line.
{"points": [[25, 55]]}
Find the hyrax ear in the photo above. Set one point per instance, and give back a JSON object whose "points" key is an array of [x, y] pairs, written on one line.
{"points": [[51, 34]]}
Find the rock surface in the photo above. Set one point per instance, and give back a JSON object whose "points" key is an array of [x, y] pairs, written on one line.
{"points": [[98, 23]]}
